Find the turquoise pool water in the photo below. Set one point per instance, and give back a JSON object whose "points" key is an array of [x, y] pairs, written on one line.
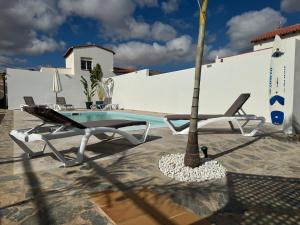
{"points": [[155, 121]]}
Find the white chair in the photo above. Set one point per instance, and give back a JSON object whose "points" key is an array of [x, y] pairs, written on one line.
{"points": [[234, 115], [57, 126]]}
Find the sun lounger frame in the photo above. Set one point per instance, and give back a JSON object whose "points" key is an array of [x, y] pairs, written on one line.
{"points": [[46, 132], [234, 115], [232, 120]]}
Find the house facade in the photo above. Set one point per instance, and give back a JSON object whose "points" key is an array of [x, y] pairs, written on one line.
{"points": [[79, 60]]}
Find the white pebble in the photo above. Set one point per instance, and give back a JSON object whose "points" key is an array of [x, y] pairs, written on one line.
{"points": [[173, 166]]}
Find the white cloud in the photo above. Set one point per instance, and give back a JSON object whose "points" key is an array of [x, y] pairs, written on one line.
{"points": [[179, 49], [163, 32], [21, 20], [170, 6], [149, 3], [210, 37], [25, 22], [180, 23], [116, 18], [45, 44], [133, 29], [245, 27], [222, 52], [6, 61], [290, 5], [110, 12], [41, 15]]}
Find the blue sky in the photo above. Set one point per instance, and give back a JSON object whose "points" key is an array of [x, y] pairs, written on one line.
{"points": [[153, 34]]}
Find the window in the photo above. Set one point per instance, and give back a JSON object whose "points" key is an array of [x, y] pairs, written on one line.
{"points": [[86, 63]]}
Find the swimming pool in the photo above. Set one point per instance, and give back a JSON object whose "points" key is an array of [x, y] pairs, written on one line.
{"points": [[155, 121]]}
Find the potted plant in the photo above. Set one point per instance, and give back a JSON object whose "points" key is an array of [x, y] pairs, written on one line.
{"points": [[97, 75], [100, 93], [89, 91]]}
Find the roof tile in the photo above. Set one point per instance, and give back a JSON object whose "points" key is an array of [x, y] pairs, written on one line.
{"points": [[69, 51], [279, 31]]}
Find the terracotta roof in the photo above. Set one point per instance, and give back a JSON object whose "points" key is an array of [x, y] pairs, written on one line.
{"points": [[119, 70], [279, 31], [69, 51]]}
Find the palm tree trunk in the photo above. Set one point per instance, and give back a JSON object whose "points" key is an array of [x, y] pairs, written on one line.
{"points": [[192, 158]]}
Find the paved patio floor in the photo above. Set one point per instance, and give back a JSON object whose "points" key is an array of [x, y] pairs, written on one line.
{"points": [[262, 184]]}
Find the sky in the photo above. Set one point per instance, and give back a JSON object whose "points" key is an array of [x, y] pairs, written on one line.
{"points": [[155, 34]]}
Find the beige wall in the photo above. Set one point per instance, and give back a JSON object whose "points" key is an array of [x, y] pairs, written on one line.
{"points": [[70, 62], [52, 70], [104, 58], [73, 62]]}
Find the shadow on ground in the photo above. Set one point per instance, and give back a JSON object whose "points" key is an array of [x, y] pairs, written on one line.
{"points": [[99, 150]]}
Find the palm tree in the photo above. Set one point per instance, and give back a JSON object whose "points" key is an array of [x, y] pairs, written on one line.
{"points": [[192, 158]]}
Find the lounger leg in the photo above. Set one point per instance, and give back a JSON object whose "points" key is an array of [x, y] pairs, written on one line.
{"points": [[80, 154], [104, 136], [133, 140], [255, 130], [25, 148], [231, 125], [245, 123], [144, 137], [56, 153], [239, 126]]}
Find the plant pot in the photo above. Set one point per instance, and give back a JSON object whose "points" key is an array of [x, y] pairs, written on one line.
{"points": [[99, 104], [88, 105]]}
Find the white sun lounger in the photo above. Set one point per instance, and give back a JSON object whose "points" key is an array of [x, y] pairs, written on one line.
{"points": [[234, 116], [57, 126]]}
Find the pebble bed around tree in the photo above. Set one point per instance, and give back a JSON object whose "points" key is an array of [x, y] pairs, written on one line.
{"points": [[172, 166]]}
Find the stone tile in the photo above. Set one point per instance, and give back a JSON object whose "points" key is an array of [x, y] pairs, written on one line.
{"points": [[265, 173]]}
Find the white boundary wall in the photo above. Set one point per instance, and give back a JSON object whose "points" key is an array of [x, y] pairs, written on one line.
{"points": [[221, 84], [296, 108], [39, 86]]}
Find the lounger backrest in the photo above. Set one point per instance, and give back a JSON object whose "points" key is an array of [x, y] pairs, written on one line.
{"points": [[50, 116], [29, 100], [61, 101], [237, 105]]}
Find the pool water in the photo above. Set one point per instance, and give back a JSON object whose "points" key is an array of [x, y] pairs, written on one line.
{"points": [[155, 121]]}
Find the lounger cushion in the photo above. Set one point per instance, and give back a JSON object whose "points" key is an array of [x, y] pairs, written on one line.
{"points": [[188, 116], [113, 123], [50, 116], [233, 109], [29, 100], [237, 105]]}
